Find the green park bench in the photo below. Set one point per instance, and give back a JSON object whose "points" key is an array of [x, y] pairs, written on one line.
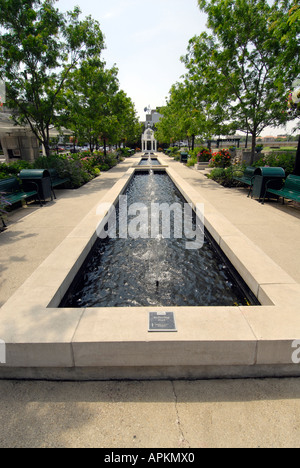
{"points": [[13, 192], [247, 178], [290, 189], [56, 180], [184, 157]]}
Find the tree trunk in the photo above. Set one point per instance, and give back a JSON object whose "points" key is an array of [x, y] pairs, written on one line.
{"points": [[193, 142], [253, 148], [297, 164], [47, 148], [246, 144], [104, 146]]}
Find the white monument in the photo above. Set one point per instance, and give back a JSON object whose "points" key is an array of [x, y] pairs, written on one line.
{"points": [[149, 143]]}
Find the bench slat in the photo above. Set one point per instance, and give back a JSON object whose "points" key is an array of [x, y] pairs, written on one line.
{"points": [[290, 189], [248, 176], [56, 182], [13, 191]]}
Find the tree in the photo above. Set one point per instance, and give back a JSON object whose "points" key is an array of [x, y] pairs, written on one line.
{"points": [[294, 110], [128, 127], [95, 108], [39, 48], [238, 63], [286, 27], [188, 113], [88, 102], [171, 127]]}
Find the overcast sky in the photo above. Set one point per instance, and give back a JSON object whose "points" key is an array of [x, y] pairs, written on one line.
{"points": [[146, 39]]}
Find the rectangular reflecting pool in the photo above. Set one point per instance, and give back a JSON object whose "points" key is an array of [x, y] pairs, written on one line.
{"points": [[160, 271], [149, 162]]}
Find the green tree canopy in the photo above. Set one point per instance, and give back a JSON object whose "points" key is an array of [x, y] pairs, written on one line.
{"points": [[95, 108], [187, 114], [239, 63], [39, 47]]}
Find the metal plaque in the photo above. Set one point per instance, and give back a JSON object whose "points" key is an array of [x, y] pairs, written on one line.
{"points": [[162, 322]]}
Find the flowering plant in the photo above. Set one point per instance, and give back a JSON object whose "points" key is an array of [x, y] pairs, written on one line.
{"points": [[204, 155], [221, 158]]}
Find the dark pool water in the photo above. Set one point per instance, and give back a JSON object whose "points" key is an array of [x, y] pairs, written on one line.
{"points": [[149, 162], [155, 272]]}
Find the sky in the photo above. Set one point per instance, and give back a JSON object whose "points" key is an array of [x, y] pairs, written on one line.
{"points": [[145, 39]]}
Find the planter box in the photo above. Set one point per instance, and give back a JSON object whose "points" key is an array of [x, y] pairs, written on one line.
{"points": [[201, 166], [246, 156]]}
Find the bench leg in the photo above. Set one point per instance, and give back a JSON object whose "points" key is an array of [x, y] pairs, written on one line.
{"points": [[264, 197], [3, 222], [41, 203], [53, 193]]}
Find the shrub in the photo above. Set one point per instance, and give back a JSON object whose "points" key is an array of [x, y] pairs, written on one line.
{"points": [[173, 150], [13, 169], [224, 176], [193, 153], [124, 152], [193, 157], [286, 160], [221, 159], [80, 168], [76, 168], [192, 161]]}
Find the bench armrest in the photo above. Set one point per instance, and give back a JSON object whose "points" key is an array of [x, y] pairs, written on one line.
{"points": [[35, 186], [268, 183], [274, 181]]}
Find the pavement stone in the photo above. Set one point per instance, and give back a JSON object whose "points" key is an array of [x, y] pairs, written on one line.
{"points": [[159, 415]]}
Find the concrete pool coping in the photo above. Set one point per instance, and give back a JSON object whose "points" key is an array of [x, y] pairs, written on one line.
{"points": [[43, 341]]}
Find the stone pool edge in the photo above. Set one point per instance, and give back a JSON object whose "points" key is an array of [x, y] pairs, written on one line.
{"points": [[43, 341]]}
